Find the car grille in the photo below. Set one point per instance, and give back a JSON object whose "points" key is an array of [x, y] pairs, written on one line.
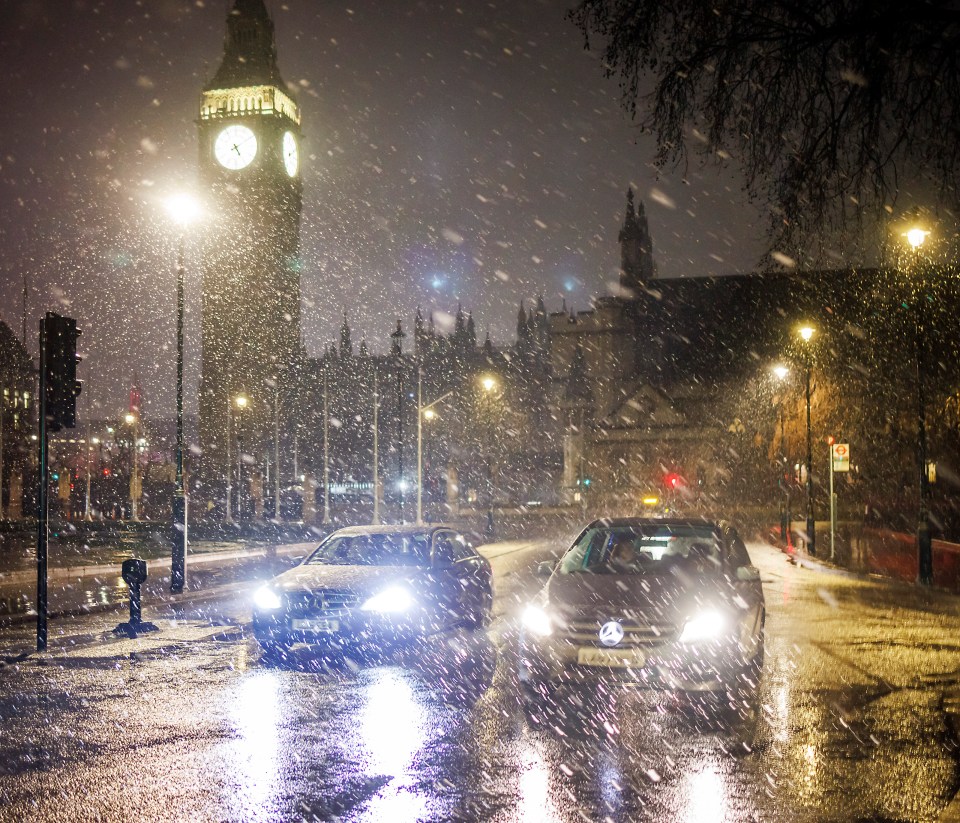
{"points": [[322, 600], [587, 633]]}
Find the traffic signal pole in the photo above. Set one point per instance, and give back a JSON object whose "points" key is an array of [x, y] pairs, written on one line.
{"points": [[59, 388]]}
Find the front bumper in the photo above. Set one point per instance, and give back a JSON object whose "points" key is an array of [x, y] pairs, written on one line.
{"points": [[351, 628], [712, 666]]}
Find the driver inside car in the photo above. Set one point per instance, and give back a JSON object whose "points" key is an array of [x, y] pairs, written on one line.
{"points": [[621, 557]]}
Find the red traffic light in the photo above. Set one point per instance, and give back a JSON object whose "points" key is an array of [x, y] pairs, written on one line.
{"points": [[672, 480]]}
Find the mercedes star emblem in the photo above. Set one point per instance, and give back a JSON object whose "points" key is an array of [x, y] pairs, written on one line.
{"points": [[611, 633]]}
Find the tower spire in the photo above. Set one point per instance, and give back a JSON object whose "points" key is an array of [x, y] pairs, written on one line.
{"points": [[249, 49], [636, 249]]}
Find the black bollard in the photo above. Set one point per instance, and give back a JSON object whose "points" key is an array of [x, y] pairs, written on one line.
{"points": [[134, 573]]}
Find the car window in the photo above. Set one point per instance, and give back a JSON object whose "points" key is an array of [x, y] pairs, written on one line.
{"points": [[462, 550], [443, 548], [738, 551], [645, 550], [373, 550]]}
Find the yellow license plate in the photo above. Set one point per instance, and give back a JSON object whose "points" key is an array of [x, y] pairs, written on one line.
{"points": [[611, 658], [316, 624]]}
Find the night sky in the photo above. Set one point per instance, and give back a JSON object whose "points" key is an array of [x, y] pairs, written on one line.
{"points": [[469, 152]]}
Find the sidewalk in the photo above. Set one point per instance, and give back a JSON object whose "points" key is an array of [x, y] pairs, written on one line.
{"points": [[102, 560], [95, 586], [950, 700]]}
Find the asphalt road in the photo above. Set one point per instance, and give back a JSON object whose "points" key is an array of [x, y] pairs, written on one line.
{"points": [[190, 723]]}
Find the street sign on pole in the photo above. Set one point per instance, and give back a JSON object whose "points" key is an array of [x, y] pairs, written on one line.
{"points": [[841, 457]]}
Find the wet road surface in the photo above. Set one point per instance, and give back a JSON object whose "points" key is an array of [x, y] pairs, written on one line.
{"points": [[191, 723]]}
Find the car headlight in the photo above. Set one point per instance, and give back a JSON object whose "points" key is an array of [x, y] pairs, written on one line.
{"points": [[537, 621], [267, 599], [393, 600], [708, 625]]}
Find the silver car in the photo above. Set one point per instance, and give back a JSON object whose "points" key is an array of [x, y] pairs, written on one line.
{"points": [[661, 603], [369, 587]]}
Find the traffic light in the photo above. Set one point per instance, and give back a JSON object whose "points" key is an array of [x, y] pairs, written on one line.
{"points": [[673, 481], [60, 376]]}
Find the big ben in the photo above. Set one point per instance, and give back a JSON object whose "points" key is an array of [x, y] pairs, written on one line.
{"points": [[250, 167]]}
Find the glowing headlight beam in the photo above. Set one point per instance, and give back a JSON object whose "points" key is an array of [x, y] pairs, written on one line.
{"points": [[267, 599], [708, 625], [537, 621], [392, 600]]}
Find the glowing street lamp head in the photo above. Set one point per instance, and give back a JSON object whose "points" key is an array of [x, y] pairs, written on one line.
{"points": [[429, 414], [241, 401], [489, 383], [183, 208], [916, 236], [130, 418], [781, 372], [806, 333]]}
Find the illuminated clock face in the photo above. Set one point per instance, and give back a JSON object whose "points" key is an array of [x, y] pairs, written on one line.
{"points": [[235, 147], [291, 157]]}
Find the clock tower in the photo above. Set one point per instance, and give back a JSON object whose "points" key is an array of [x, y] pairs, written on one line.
{"points": [[250, 165]]}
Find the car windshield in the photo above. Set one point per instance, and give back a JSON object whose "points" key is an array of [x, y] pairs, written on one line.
{"points": [[644, 550], [373, 550]]}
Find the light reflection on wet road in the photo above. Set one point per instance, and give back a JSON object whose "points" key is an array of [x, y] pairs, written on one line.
{"points": [[193, 723]]}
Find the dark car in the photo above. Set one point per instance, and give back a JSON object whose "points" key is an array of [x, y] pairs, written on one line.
{"points": [[662, 603], [376, 585]]}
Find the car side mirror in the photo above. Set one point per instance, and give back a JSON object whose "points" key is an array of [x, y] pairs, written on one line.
{"points": [[748, 574], [545, 568]]}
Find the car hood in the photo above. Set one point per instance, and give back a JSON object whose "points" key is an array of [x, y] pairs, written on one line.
{"points": [[360, 579], [666, 600]]}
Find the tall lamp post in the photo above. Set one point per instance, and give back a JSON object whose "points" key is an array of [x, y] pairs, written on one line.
{"points": [[240, 401], [806, 335], [326, 448], [131, 420], [276, 451], [183, 210], [424, 412], [915, 237], [489, 385], [781, 373]]}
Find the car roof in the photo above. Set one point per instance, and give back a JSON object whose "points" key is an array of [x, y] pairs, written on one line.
{"points": [[656, 522], [408, 528]]}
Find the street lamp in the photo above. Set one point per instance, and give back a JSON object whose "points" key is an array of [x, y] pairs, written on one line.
{"points": [[424, 412], [915, 237], [87, 508], [241, 402], [781, 373], [276, 450], [326, 448], [806, 335], [183, 210], [489, 385], [131, 420]]}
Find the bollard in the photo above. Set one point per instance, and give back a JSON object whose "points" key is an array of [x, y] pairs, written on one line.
{"points": [[134, 573]]}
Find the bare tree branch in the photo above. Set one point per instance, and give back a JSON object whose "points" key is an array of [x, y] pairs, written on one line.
{"points": [[827, 105]]}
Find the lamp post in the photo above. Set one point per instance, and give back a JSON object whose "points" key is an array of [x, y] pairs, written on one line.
{"points": [[915, 237], [276, 451], [806, 335], [376, 450], [87, 507], [424, 412], [240, 401], [131, 420], [489, 385], [183, 210], [326, 449], [781, 373]]}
